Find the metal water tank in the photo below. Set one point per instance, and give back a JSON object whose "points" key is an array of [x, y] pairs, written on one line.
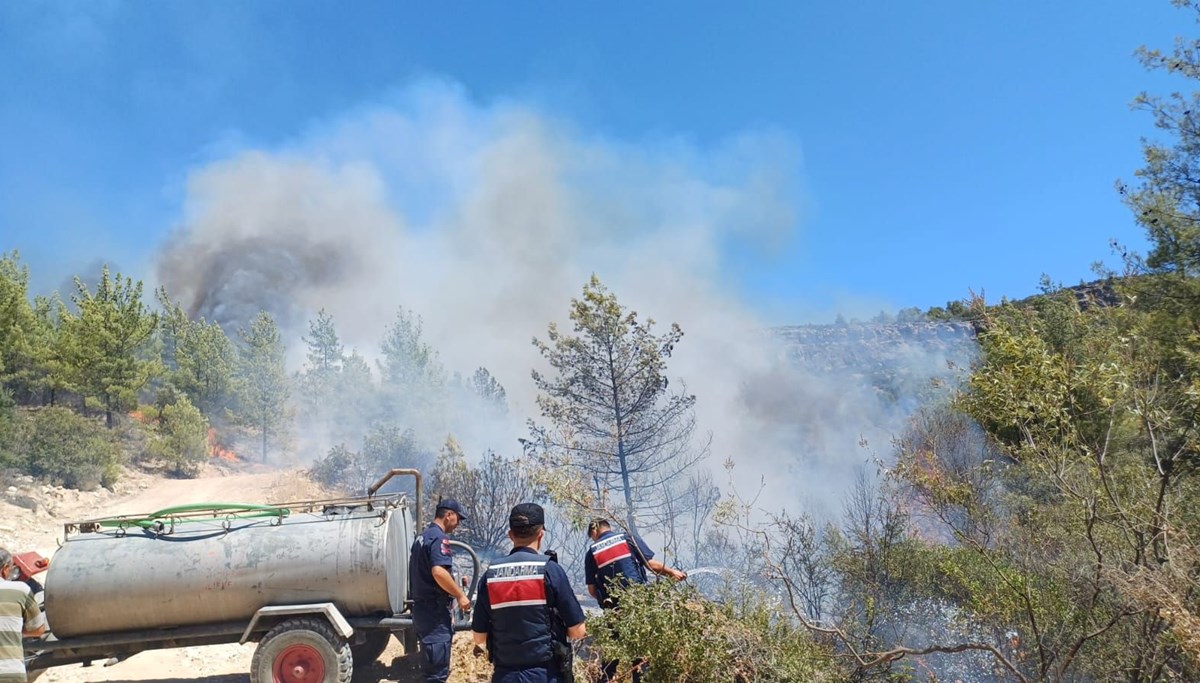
{"points": [[155, 576]]}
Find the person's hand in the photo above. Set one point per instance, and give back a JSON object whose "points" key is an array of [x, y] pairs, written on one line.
{"points": [[464, 603], [479, 650], [678, 574]]}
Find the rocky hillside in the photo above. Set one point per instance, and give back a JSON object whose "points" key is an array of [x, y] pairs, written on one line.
{"points": [[859, 345], [896, 360]]}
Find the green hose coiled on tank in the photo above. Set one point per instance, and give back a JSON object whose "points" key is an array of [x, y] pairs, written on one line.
{"points": [[239, 511]]}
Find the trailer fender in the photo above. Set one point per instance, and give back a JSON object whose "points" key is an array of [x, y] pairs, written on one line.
{"points": [[268, 616]]}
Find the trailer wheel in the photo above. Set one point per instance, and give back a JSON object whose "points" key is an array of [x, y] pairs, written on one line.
{"points": [[304, 650], [367, 652]]}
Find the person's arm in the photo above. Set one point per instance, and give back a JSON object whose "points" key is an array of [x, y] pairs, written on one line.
{"points": [[481, 620], [592, 591], [661, 569], [564, 601], [34, 621], [447, 583], [656, 565]]}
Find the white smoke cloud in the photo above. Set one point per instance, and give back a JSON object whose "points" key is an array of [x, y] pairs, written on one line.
{"points": [[486, 219]]}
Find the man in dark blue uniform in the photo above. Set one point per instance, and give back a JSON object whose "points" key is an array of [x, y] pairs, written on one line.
{"points": [[434, 589], [618, 559], [526, 610]]}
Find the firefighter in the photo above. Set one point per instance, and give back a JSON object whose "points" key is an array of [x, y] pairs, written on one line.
{"points": [[618, 559], [434, 590], [526, 611]]}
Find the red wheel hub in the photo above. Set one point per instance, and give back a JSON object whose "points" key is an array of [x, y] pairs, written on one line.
{"points": [[298, 664]]}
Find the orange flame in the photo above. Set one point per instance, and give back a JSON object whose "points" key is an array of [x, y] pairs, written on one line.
{"points": [[217, 450]]}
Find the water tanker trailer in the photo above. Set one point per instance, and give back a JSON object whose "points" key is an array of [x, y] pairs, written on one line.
{"points": [[320, 585]]}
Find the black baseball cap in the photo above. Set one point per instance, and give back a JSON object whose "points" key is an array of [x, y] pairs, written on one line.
{"points": [[525, 515], [452, 505]]}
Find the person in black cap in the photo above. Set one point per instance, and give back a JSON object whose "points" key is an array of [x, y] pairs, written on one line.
{"points": [[526, 610], [434, 589], [616, 559]]}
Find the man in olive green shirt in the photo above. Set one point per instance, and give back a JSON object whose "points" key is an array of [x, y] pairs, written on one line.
{"points": [[20, 617]]}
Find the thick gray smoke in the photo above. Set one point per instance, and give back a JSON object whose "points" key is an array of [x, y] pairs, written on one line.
{"points": [[486, 220]]}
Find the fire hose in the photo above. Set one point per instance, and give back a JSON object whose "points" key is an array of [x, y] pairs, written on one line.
{"points": [[195, 513]]}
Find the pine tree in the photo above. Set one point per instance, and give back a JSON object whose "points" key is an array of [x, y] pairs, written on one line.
{"points": [[611, 416], [264, 394], [105, 342]]}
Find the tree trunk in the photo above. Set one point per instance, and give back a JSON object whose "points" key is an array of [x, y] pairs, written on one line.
{"points": [[264, 443], [630, 525]]}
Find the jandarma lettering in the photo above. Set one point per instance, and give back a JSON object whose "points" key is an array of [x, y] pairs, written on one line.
{"points": [[516, 569]]}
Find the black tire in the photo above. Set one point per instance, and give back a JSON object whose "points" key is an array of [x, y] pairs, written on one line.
{"points": [[313, 633], [367, 652]]}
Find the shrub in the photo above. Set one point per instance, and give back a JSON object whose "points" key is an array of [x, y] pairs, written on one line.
{"points": [[68, 449], [182, 437], [687, 639], [383, 448], [10, 435]]}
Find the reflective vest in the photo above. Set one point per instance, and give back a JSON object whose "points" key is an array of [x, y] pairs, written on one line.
{"points": [[615, 562], [521, 633]]}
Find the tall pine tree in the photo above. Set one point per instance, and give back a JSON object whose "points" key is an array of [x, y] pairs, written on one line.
{"points": [[263, 404], [104, 343]]}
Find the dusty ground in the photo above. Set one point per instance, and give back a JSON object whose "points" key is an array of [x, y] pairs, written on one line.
{"points": [[31, 518]]}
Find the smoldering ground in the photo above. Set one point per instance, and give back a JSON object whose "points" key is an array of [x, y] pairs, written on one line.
{"points": [[485, 219]]}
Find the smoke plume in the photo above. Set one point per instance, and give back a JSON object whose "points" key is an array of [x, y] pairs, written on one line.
{"points": [[486, 219]]}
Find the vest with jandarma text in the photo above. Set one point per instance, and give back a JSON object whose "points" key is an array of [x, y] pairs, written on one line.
{"points": [[615, 562], [517, 595]]}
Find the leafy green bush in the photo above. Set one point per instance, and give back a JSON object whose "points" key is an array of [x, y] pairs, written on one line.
{"points": [[69, 449], [687, 639], [9, 431], [182, 437]]}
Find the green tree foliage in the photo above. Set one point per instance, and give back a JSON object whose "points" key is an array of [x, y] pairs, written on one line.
{"points": [[1166, 201], [356, 398], [264, 387], [383, 448], [104, 343], [1082, 494], [743, 637], [319, 380], [200, 359], [489, 390], [412, 378], [23, 348], [66, 448], [336, 390], [8, 431], [611, 418], [182, 438]]}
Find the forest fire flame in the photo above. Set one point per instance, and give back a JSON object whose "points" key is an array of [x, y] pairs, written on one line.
{"points": [[216, 449]]}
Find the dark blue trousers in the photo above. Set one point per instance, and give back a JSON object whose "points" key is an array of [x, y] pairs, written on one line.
{"points": [[534, 674], [432, 622]]}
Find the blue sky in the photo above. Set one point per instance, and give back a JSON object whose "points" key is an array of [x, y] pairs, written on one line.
{"points": [[931, 148]]}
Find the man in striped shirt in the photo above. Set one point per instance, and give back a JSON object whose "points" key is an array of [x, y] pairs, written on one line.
{"points": [[20, 617]]}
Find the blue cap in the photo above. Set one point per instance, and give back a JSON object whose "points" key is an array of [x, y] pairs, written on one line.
{"points": [[452, 505]]}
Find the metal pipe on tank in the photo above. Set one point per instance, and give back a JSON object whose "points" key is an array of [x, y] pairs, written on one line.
{"points": [[398, 471]]}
